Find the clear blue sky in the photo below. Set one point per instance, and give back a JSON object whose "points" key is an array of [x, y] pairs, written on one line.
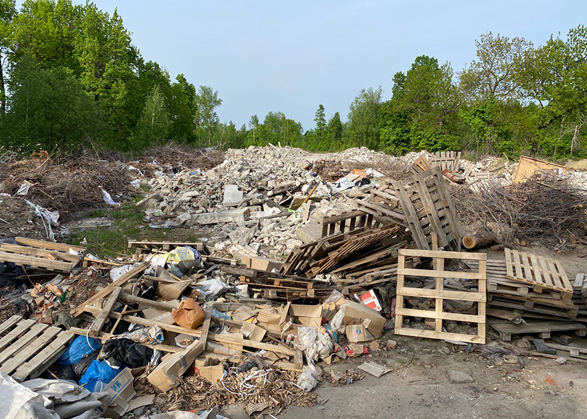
{"points": [[290, 56]]}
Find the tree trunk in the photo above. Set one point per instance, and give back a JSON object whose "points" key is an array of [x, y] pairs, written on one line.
{"points": [[476, 236]]}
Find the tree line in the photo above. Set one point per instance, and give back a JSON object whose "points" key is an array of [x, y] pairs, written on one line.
{"points": [[70, 75]]}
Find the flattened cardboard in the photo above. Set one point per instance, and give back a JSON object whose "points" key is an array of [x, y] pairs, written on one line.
{"points": [[252, 332], [243, 313], [158, 315], [212, 374], [375, 369], [121, 391]]}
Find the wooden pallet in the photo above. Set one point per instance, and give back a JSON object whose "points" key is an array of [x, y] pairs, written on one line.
{"points": [[446, 160], [543, 274], [422, 204], [150, 247], [347, 222], [525, 306], [542, 328], [440, 295], [28, 348], [39, 254]]}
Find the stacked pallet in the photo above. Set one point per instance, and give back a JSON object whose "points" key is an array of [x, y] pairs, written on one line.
{"points": [[347, 253], [529, 294], [41, 255], [421, 203]]}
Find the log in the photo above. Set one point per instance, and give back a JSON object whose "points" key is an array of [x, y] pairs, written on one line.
{"points": [[476, 236]]}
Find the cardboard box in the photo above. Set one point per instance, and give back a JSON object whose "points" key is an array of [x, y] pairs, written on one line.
{"points": [[358, 333], [355, 313], [121, 391], [307, 315], [158, 315]]}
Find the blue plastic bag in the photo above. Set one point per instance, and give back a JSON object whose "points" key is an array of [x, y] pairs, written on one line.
{"points": [[79, 348], [98, 375]]}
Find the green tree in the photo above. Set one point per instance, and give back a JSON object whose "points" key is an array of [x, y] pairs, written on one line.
{"points": [[182, 104], [7, 12], [493, 75], [335, 130], [48, 109], [155, 123], [364, 118], [205, 118]]}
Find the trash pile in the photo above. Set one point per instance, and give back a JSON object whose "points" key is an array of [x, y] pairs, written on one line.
{"points": [[300, 269]]}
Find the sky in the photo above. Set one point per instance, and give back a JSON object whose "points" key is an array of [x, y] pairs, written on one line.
{"points": [[291, 56]]}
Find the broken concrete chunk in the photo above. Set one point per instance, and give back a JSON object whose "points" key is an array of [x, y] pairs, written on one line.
{"points": [[223, 217], [459, 377], [232, 195]]}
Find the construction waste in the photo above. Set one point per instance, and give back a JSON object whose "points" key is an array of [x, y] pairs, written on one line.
{"points": [[304, 260]]}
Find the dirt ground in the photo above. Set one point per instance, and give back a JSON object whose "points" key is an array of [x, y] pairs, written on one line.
{"points": [[419, 387]]}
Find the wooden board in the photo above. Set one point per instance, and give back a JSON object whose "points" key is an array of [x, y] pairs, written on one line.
{"points": [[543, 274], [440, 295], [36, 262], [528, 166], [28, 348], [543, 329]]}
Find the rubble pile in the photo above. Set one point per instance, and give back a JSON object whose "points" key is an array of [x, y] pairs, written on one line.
{"points": [[306, 262]]}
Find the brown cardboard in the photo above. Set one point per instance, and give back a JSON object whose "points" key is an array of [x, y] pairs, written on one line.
{"points": [[358, 333], [356, 313], [212, 374], [158, 315], [252, 332], [264, 264], [121, 391], [307, 315], [172, 291], [243, 313]]}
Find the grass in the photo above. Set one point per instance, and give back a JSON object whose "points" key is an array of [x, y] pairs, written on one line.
{"points": [[127, 223]]}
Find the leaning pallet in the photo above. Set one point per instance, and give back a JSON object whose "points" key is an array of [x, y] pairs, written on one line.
{"points": [[28, 348], [441, 296], [545, 275], [421, 203]]}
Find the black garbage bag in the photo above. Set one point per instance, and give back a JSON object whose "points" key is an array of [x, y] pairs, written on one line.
{"points": [[80, 367], [126, 351]]}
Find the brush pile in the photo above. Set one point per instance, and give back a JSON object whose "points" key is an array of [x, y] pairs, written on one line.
{"points": [[546, 209]]}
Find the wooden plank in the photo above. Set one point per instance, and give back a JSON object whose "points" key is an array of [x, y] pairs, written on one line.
{"points": [[545, 272], [423, 333], [98, 324], [442, 274], [517, 265], [449, 295], [20, 328], [508, 263], [109, 288], [12, 364], [36, 262], [9, 323], [23, 341], [429, 314], [44, 359], [527, 269], [556, 278], [219, 338], [42, 244], [31, 251], [564, 278], [442, 254]]}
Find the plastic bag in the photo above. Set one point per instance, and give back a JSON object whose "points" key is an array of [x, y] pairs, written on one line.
{"points": [[107, 198], [78, 350], [98, 375], [128, 352], [117, 272], [188, 314], [308, 380], [211, 288], [316, 345]]}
